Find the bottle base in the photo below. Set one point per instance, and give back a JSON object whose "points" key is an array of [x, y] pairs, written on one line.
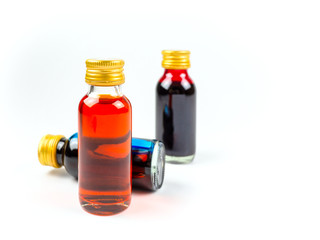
{"points": [[179, 159], [104, 209], [157, 165]]}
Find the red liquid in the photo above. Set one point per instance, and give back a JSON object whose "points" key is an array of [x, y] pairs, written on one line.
{"points": [[104, 154]]}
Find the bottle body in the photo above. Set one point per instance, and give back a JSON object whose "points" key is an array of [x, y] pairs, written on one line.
{"points": [[176, 115], [148, 163], [104, 151]]}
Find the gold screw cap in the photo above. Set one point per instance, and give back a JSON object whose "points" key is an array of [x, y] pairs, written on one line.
{"points": [[174, 59], [47, 150], [104, 72]]}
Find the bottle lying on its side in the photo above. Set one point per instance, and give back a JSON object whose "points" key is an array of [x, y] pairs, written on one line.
{"points": [[148, 158]]}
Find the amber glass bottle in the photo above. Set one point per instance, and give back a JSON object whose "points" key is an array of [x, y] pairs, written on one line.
{"points": [[148, 158], [104, 121], [176, 108]]}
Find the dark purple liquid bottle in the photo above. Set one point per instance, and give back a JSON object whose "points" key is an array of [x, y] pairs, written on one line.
{"points": [[176, 109]]}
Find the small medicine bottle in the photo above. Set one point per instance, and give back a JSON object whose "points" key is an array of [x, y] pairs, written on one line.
{"points": [[104, 140], [176, 108], [148, 158]]}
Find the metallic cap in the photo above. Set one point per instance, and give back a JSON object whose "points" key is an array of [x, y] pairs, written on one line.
{"points": [[47, 150], [176, 59], [104, 72]]}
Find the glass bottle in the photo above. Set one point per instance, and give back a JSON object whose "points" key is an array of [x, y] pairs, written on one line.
{"points": [[176, 108], [148, 158], [104, 140]]}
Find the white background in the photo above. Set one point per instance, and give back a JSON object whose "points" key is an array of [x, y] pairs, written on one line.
{"points": [[256, 65]]}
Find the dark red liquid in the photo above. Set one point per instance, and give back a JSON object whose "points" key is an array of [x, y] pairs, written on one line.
{"points": [[176, 113], [141, 165], [104, 154]]}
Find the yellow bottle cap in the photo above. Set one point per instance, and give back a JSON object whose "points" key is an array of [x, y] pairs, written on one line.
{"points": [[104, 72], [174, 59], [47, 150]]}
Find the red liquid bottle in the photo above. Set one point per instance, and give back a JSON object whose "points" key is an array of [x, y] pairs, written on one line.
{"points": [[176, 108], [104, 121]]}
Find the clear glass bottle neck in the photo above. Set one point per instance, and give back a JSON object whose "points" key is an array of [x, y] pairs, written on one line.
{"points": [[96, 91], [176, 71]]}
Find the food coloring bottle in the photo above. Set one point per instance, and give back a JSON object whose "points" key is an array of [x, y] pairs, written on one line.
{"points": [[104, 140], [176, 108], [148, 158]]}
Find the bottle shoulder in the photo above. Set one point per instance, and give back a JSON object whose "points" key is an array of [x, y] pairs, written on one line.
{"points": [[175, 81], [106, 103], [175, 87], [176, 75], [127, 101]]}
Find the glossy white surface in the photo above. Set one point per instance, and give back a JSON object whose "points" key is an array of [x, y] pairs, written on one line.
{"points": [[256, 173]]}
